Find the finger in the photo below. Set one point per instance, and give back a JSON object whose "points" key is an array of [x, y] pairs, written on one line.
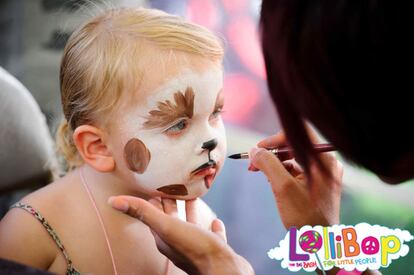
{"points": [[252, 168], [271, 166], [157, 203], [273, 141], [170, 253], [293, 167], [137, 208], [191, 211], [170, 207], [173, 231], [217, 226], [162, 246]]}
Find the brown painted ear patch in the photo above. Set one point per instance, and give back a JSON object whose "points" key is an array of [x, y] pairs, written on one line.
{"points": [[174, 189], [137, 155]]}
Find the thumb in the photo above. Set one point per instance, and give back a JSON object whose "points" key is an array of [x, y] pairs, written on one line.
{"points": [[217, 226], [171, 230], [271, 166]]}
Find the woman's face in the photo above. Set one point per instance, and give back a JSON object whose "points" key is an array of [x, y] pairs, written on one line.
{"points": [[172, 144]]}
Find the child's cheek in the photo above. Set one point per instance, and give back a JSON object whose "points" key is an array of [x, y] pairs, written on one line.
{"points": [[137, 155]]}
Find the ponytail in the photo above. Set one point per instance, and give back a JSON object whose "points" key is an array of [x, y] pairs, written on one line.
{"points": [[66, 147]]}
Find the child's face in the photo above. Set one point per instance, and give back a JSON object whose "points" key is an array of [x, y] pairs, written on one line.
{"points": [[164, 138]]}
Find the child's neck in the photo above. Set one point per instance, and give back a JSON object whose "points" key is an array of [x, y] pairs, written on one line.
{"points": [[105, 185]]}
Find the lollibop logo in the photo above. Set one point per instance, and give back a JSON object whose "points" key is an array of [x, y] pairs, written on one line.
{"points": [[349, 247]]}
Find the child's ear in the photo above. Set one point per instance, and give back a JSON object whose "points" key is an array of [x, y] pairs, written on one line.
{"points": [[92, 148]]}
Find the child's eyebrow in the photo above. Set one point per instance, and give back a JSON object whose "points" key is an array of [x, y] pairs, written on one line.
{"points": [[168, 112]]}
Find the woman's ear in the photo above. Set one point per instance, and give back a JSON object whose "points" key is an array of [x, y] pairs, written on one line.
{"points": [[92, 148]]}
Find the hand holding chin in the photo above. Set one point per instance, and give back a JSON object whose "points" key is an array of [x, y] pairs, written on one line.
{"points": [[188, 244]]}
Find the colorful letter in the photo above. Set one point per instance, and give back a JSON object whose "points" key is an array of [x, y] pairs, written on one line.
{"points": [[332, 245], [325, 242], [338, 250], [370, 245], [350, 242], [293, 256], [387, 249]]}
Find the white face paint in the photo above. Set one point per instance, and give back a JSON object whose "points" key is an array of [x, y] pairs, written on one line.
{"points": [[173, 143]]}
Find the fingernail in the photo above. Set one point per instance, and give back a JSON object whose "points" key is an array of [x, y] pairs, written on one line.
{"points": [[220, 222], [118, 204]]}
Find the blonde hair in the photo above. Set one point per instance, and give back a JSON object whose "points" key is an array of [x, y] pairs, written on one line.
{"points": [[106, 54]]}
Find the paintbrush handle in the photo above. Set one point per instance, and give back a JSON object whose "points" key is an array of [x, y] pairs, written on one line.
{"points": [[284, 153]]}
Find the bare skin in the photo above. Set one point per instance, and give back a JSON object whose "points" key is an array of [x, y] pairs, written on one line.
{"points": [[297, 204], [317, 205], [24, 239], [209, 255], [299, 201], [66, 206]]}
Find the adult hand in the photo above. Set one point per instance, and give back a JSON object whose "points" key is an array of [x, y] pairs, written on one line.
{"points": [[300, 202], [198, 213], [192, 248]]}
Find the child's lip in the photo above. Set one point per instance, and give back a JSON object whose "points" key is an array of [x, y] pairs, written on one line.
{"points": [[208, 180], [204, 168], [206, 172]]}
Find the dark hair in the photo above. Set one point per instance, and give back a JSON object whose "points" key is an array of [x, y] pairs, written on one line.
{"points": [[345, 66]]}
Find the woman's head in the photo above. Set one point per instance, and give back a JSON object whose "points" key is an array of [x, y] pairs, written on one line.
{"points": [[141, 94], [340, 65]]}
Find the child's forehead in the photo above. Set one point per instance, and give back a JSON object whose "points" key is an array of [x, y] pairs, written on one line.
{"points": [[205, 83], [176, 70], [209, 81], [204, 80]]}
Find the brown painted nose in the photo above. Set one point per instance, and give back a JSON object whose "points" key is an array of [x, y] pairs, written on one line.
{"points": [[210, 145]]}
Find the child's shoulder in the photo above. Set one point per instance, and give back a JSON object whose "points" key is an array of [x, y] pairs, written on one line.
{"points": [[54, 199], [54, 193], [23, 238], [23, 230]]}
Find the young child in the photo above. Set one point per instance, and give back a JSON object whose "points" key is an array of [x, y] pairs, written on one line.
{"points": [[142, 95]]}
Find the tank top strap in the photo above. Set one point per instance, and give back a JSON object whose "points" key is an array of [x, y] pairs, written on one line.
{"points": [[70, 269]]}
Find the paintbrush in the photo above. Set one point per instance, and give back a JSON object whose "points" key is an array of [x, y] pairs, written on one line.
{"points": [[286, 152]]}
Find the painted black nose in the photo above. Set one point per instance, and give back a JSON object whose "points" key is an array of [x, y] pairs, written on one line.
{"points": [[210, 145]]}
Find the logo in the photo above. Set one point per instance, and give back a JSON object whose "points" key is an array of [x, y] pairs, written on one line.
{"points": [[348, 247]]}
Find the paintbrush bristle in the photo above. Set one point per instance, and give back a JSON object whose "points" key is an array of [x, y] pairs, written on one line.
{"points": [[235, 156]]}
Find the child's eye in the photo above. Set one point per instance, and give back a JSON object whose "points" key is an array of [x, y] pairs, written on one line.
{"points": [[216, 113], [181, 125]]}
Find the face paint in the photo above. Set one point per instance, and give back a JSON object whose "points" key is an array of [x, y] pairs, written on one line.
{"points": [[137, 155], [173, 122], [167, 113], [175, 189]]}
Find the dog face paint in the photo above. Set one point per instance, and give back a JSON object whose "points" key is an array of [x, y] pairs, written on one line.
{"points": [[163, 139], [137, 155]]}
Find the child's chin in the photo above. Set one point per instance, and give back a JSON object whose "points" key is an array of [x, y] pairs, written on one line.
{"points": [[195, 190]]}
